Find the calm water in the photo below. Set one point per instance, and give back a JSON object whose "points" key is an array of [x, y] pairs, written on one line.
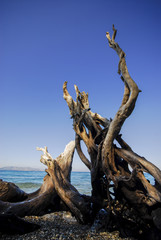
{"points": [[30, 181]]}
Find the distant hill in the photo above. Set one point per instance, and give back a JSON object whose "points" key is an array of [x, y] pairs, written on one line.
{"points": [[20, 169]]}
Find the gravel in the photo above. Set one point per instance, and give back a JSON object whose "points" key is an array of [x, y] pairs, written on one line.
{"points": [[61, 225]]}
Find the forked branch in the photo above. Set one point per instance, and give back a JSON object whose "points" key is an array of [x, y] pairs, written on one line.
{"points": [[126, 108]]}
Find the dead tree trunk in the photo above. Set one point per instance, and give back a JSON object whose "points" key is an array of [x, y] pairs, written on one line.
{"points": [[39, 202], [117, 173], [16, 202]]}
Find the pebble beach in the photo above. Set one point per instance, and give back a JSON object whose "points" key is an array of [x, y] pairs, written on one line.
{"points": [[61, 225]]}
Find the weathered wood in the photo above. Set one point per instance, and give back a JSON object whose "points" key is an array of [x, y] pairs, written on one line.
{"points": [[37, 205], [9, 192], [41, 201], [65, 159], [126, 108], [87, 126], [80, 153], [134, 159], [108, 164], [69, 194]]}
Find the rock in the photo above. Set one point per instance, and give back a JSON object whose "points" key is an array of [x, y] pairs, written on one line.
{"points": [[156, 215], [101, 220], [11, 224]]}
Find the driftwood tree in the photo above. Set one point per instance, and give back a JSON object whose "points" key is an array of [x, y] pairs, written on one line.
{"points": [[117, 173], [15, 202], [121, 194]]}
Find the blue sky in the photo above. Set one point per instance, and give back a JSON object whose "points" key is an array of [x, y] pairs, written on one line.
{"points": [[44, 43]]}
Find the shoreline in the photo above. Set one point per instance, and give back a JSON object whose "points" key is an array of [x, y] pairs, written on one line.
{"points": [[61, 225]]}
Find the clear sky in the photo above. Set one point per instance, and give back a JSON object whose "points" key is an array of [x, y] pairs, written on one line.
{"points": [[46, 42]]}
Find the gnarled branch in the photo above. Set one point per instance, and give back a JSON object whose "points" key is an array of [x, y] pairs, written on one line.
{"points": [[126, 108]]}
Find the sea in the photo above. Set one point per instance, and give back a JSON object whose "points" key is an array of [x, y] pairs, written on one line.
{"points": [[30, 181]]}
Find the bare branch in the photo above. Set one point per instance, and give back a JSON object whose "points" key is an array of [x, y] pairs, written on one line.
{"points": [[134, 159], [81, 154], [126, 108]]}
